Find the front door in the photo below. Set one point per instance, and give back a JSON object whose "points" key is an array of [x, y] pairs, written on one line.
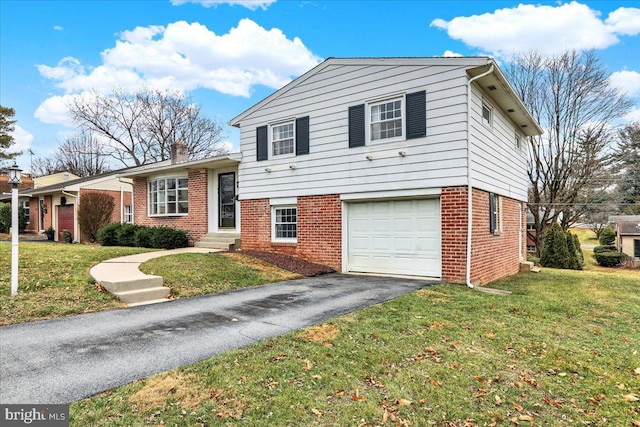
{"points": [[227, 200], [65, 221]]}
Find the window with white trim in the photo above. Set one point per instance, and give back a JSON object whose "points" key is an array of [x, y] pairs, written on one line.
{"points": [[495, 214], [26, 210], [128, 214], [284, 223], [518, 141], [168, 196], [283, 138], [486, 115], [386, 119]]}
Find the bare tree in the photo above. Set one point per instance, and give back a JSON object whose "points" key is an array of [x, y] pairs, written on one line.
{"points": [[81, 154], [573, 99], [141, 127]]}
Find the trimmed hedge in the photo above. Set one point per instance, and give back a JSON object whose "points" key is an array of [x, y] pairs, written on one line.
{"points": [[607, 237], [5, 218], [610, 259], [605, 248], [117, 234]]}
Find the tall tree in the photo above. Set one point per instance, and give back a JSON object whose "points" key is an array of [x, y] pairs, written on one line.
{"points": [[6, 127], [572, 98], [141, 127], [81, 154], [626, 159]]}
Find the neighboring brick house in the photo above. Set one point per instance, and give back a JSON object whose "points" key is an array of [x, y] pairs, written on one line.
{"points": [[365, 165], [198, 196], [56, 205]]}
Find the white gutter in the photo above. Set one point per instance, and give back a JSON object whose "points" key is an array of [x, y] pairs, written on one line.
{"points": [[469, 183], [69, 194]]}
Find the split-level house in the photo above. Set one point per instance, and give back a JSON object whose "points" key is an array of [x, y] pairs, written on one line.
{"points": [[390, 166], [397, 166]]}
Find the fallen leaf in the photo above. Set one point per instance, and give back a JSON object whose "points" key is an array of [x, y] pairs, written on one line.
{"points": [[637, 371], [635, 423], [514, 420], [435, 383], [498, 400], [518, 406], [315, 411], [621, 386], [403, 402], [525, 418], [317, 377], [631, 397], [479, 379], [340, 392], [308, 365], [357, 398]]}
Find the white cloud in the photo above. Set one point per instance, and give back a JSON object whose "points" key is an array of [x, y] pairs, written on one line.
{"points": [[633, 115], [188, 56], [627, 81], [548, 29], [249, 4], [54, 110], [22, 138], [58, 28], [451, 54]]}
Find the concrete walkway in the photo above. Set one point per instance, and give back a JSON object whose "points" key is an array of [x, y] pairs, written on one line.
{"points": [[67, 359], [122, 277]]}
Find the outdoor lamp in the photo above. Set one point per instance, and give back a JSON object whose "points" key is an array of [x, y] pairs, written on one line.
{"points": [[15, 175], [15, 178]]}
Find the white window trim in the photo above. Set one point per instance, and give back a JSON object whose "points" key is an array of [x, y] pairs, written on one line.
{"points": [[158, 178], [270, 139], [498, 230], [518, 141], [127, 216], [488, 107], [26, 205], [275, 239], [403, 112]]}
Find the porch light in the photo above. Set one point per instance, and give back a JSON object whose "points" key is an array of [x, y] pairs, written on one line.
{"points": [[15, 174]]}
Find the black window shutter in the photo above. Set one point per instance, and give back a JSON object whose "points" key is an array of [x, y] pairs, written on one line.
{"points": [[302, 135], [262, 143], [416, 114], [356, 126], [492, 212]]}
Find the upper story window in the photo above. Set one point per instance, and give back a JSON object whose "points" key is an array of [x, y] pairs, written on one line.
{"points": [[169, 196], [282, 138], [486, 115], [518, 141], [393, 119], [386, 120]]}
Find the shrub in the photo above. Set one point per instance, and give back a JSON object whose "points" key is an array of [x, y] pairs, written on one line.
{"points": [[125, 234], [607, 237], [579, 253], [168, 238], [108, 235], [610, 259], [607, 248], [142, 237], [559, 250], [94, 212], [5, 218]]}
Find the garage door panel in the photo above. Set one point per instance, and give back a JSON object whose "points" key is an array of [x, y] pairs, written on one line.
{"points": [[395, 237]]}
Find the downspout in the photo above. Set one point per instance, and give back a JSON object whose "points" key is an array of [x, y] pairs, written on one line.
{"points": [[469, 182], [121, 204], [122, 200]]}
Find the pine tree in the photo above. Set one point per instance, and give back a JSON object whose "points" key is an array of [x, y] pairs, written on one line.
{"points": [[6, 127], [627, 160]]}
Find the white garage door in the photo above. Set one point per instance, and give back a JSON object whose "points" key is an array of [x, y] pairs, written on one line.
{"points": [[395, 237]]}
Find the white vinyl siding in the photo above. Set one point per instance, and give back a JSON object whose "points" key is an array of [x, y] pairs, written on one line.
{"points": [[437, 160], [394, 237]]}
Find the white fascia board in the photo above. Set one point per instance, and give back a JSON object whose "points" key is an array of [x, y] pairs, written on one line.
{"points": [[399, 194]]}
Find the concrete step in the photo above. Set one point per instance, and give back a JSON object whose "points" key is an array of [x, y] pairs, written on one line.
{"points": [[536, 269], [152, 301], [141, 282], [222, 241], [143, 295], [529, 267]]}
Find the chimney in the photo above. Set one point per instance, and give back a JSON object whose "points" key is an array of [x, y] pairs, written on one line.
{"points": [[179, 153]]}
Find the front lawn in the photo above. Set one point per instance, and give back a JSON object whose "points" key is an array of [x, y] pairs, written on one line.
{"points": [[562, 349], [54, 278]]}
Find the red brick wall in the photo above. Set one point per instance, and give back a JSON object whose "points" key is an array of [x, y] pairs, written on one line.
{"points": [[319, 229], [195, 222], [492, 256], [32, 227]]}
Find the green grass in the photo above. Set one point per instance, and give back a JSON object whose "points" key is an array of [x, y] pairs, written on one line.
{"points": [[54, 280], [198, 274], [586, 236], [562, 349]]}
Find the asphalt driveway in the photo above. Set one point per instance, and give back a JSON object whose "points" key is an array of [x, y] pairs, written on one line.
{"points": [[67, 359]]}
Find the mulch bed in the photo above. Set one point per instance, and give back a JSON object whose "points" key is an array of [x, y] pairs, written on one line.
{"points": [[290, 263]]}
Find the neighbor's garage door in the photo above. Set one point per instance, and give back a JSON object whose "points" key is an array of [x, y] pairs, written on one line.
{"points": [[395, 237]]}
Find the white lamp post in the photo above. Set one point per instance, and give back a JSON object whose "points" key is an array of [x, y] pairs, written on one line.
{"points": [[15, 178]]}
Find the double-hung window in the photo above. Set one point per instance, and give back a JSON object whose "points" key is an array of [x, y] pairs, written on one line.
{"points": [[283, 138], [386, 120], [169, 196], [26, 210], [284, 221], [495, 216], [128, 214]]}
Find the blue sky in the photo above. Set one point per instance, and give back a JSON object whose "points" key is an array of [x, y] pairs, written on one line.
{"points": [[228, 55]]}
